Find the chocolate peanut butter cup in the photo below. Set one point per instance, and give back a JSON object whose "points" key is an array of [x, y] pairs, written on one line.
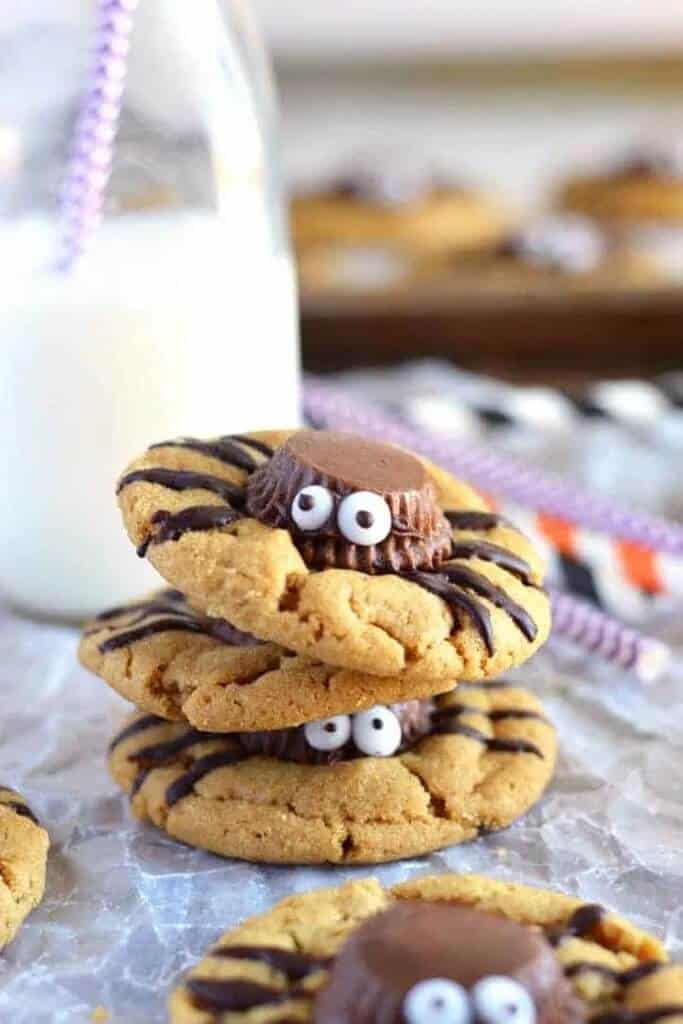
{"points": [[418, 963], [351, 503]]}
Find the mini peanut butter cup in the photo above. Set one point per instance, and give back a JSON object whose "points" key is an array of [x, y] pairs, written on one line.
{"points": [[331, 491], [467, 963]]}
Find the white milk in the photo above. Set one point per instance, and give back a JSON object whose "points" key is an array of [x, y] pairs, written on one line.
{"points": [[173, 324]]}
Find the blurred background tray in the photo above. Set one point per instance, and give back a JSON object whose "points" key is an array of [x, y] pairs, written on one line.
{"points": [[561, 339]]}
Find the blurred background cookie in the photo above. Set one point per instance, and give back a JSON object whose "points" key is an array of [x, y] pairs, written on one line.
{"points": [[368, 224], [641, 185], [553, 253]]}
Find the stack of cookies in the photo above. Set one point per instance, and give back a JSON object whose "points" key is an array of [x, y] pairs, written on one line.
{"points": [[321, 683]]}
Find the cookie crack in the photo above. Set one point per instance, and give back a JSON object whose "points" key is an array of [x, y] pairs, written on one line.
{"points": [[436, 805]]}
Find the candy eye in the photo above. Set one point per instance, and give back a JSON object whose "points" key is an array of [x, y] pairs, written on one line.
{"points": [[377, 732], [328, 733], [364, 518], [436, 1001], [312, 507], [499, 1000]]}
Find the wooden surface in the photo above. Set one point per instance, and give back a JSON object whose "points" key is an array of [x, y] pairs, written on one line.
{"points": [[560, 339]]}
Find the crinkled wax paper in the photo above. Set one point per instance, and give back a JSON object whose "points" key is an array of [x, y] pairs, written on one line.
{"points": [[127, 910]]}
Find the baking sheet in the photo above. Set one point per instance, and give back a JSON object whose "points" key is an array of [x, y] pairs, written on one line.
{"points": [[127, 910]]}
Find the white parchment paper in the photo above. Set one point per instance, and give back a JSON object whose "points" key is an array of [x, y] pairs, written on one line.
{"points": [[127, 910]]}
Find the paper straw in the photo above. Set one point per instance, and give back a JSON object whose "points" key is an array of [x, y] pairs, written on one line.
{"points": [[618, 575], [638, 406], [92, 148], [494, 473], [608, 638]]}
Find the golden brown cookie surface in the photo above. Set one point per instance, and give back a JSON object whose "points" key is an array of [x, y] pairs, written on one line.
{"points": [[353, 570], [489, 755], [178, 664], [23, 856], [285, 965]]}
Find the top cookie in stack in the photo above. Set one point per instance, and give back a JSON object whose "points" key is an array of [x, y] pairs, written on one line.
{"points": [[351, 585], [354, 552]]}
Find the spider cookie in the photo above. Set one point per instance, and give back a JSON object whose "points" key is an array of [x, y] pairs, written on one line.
{"points": [[643, 185], [353, 552], [170, 660], [23, 856], [453, 949], [388, 782], [566, 252], [409, 210]]}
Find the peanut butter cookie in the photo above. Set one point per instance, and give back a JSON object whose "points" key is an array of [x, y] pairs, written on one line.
{"points": [[453, 949], [389, 782], [355, 553]]}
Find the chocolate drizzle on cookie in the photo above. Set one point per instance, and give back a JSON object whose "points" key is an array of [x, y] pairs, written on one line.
{"points": [[138, 726], [16, 806], [223, 448], [169, 526], [446, 721], [158, 755], [184, 480], [494, 553], [474, 520], [623, 977], [580, 925], [164, 613], [294, 965], [496, 744], [184, 785], [232, 450], [236, 995], [233, 996]]}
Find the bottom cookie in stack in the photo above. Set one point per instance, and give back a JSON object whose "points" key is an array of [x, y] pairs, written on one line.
{"points": [[23, 857], [244, 749], [389, 782], [454, 949]]}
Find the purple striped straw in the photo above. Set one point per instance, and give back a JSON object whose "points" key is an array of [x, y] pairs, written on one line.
{"points": [[579, 621], [496, 474], [92, 147], [599, 633]]}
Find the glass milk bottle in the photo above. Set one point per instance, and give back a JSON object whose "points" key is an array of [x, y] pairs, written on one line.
{"points": [[147, 289]]}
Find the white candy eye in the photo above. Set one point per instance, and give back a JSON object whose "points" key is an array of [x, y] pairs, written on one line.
{"points": [[499, 1000], [364, 518], [377, 732], [436, 1001], [328, 733], [312, 507]]}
